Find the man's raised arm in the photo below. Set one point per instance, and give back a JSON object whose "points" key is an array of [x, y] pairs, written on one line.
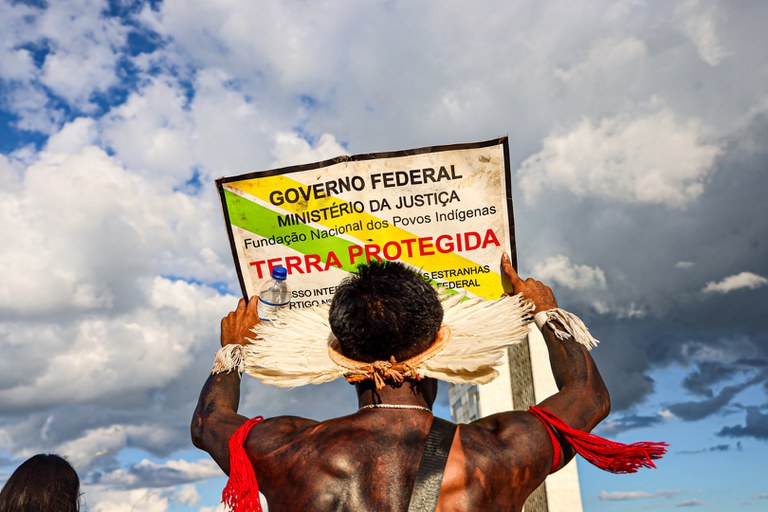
{"points": [[216, 417], [583, 399]]}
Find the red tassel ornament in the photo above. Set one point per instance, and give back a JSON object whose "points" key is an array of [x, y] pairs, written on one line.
{"points": [[608, 455], [241, 493]]}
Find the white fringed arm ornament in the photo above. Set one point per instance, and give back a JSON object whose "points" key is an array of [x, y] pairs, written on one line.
{"points": [[228, 358], [574, 327]]}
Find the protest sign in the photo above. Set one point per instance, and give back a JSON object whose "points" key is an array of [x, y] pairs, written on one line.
{"points": [[445, 211]]}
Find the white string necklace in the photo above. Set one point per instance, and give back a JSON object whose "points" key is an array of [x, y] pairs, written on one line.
{"points": [[395, 406]]}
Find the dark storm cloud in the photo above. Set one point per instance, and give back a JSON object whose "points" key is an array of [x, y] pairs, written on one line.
{"points": [[722, 233], [707, 374], [718, 448], [690, 503], [697, 410], [627, 422], [756, 425], [149, 475]]}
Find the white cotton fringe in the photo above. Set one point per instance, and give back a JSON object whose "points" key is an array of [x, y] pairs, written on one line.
{"points": [[574, 327], [228, 358]]}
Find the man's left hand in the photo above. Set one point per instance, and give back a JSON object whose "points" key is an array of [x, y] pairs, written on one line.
{"points": [[237, 324]]}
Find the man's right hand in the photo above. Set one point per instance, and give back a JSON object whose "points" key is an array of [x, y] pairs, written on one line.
{"points": [[537, 292], [237, 324]]}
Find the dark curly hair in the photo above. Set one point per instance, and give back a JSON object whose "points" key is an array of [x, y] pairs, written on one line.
{"points": [[43, 483], [385, 309]]}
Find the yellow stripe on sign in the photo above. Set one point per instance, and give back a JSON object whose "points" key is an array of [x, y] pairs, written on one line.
{"points": [[415, 250]]}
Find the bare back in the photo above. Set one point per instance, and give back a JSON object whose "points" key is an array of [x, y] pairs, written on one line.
{"points": [[368, 461]]}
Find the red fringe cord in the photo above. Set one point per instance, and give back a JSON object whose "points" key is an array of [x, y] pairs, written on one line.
{"points": [[606, 454], [241, 493]]}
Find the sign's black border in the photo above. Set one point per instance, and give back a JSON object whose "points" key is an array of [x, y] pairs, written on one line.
{"points": [[504, 141]]}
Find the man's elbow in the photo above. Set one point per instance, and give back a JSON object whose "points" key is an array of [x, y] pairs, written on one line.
{"points": [[605, 406], [596, 403], [197, 431], [601, 404], [600, 397]]}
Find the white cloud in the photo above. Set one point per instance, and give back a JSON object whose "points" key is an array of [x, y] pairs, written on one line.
{"points": [[82, 452], [294, 46], [73, 137], [15, 62], [685, 264], [635, 495], [233, 131], [633, 157], [86, 316], [29, 104], [700, 352], [290, 149], [629, 310], [83, 249], [700, 21], [78, 48], [81, 39], [222, 508], [667, 414], [6, 442], [604, 60], [559, 269], [104, 443], [98, 357], [591, 283], [163, 135], [188, 495], [152, 133], [166, 474], [736, 282], [103, 499], [10, 175]]}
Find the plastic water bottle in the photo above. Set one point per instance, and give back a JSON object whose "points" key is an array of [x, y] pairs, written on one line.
{"points": [[274, 295]]}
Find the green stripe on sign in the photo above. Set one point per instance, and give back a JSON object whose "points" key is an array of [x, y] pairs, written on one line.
{"points": [[262, 221]]}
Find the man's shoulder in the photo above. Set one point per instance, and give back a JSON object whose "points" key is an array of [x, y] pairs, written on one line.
{"points": [[284, 425], [281, 431], [516, 432], [497, 423]]}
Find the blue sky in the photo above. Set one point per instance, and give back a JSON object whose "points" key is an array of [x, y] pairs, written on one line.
{"points": [[637, 147]]}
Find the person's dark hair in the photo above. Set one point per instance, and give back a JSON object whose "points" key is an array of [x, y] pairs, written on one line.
{"points": [[385, 309], [43, 483]]}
